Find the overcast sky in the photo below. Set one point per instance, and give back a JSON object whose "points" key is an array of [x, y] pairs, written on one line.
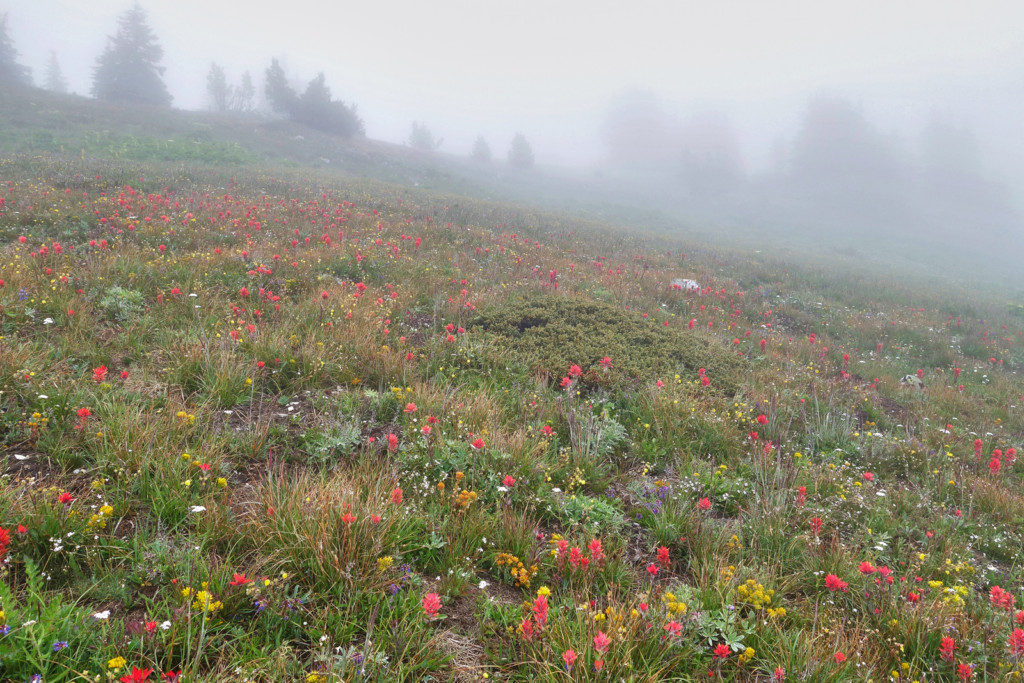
{"points": [[549, 68]]}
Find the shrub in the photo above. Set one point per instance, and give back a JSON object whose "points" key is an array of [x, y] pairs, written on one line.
{"points": [[551, 333], [325, 447], [121, 304]]}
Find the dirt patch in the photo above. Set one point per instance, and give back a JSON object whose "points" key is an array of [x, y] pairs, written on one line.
{"points": [[893, 408], [29, 465], [419, 324]]}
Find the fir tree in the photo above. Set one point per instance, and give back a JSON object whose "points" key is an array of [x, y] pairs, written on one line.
{"points": [[55, 81], [520, 154], [11, 72], [129, 69]]}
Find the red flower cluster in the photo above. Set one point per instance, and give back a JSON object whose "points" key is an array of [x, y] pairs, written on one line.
{"points": [[1001, 599]]}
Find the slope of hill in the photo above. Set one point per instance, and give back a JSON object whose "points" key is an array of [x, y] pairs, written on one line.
{"points": [[36, 121], [265, 422]]}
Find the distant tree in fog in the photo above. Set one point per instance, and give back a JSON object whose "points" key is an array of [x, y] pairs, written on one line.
{"points": [[481, 151], [421, 138], [520, 154], [317, 109], [243, 97], [278, 92], [11, 72], [314, 108], [218, 93], [840, 160], [954, 188], [55, 81], [710, 159], [129, 68], [638, 134]]}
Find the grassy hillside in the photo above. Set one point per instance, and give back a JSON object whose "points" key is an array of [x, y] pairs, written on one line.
{"points": [[35, 121], [260, 421]]}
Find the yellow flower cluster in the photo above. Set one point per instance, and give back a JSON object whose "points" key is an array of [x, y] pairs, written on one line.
{"points": [[754, 594], [202, 600], [576, 481], [384, 563], [954, 595], [516, 569], [673, 605], [465, 499], [746, 655], [99, 519]]}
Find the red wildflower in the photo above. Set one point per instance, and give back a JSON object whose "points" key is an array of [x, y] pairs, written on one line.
{"points": [[431, 604], [947, 648], [478, 444], [1000, 598], [99, 374], [508, 481], [721, 651], [839, 657], [136, 676], [601, 641], [540, 610], [834, 583], [396, 495], [1016, 642], [663, 556], [569, 657], [964, 672], [704, 504], [239, 580], [65, 497]]}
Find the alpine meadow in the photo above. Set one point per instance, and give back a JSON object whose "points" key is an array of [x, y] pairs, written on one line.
{"points": [[301, 380]]}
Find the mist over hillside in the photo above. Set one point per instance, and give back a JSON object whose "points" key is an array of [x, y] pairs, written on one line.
{"points": [[912, 149]]}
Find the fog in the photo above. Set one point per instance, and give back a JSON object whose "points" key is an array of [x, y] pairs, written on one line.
{"points": [[801, 111]]}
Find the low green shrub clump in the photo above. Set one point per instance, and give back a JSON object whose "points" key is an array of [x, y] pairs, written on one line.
{"points": [[550, 333]]}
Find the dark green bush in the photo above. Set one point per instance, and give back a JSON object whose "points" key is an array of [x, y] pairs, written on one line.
{"points": [[550, 333]]}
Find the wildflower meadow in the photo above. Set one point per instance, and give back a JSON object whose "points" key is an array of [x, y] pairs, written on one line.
{"points": [[271, 423]]}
